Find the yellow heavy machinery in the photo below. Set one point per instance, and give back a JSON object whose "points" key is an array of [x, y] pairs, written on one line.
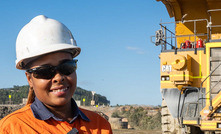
{"points": [[190, 63]]}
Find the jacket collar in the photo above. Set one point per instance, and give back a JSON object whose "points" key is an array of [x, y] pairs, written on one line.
{"points": [[41, 112]]}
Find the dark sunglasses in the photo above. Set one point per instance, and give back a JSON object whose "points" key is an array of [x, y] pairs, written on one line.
{"points": [[48, 71]]}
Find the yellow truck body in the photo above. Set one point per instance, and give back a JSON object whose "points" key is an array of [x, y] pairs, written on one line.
{"points": [[191, 67]]}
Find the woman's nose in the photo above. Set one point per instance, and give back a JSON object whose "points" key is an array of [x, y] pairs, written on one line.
{"points": [[58, 77]]}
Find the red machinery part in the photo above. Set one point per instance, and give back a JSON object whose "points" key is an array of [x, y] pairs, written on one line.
{"points": [[187, 44], [199, 43]]}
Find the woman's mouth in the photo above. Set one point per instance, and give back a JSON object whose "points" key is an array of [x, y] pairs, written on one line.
{"points": [[60, 90]]}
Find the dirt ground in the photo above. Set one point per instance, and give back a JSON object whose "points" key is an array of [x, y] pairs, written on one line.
{"points": [[123, 131]]}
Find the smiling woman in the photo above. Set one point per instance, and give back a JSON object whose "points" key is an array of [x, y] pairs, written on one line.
{"points": [[45, 48]]}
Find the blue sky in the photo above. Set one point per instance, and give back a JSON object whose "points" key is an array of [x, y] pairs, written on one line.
{"points": [[117, 60]]}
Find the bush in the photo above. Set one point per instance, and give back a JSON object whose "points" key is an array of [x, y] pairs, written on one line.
{"points": [[115, 115]]}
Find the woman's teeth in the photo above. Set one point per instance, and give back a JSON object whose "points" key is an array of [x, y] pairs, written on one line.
{"points": [[60, 90]]}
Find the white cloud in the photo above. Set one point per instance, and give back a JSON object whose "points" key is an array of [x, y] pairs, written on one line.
{"points": [[138, 50], [132, 48], [85, 83]]}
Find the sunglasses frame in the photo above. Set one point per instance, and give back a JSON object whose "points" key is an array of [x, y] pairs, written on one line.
{"points": [[54, 68]]}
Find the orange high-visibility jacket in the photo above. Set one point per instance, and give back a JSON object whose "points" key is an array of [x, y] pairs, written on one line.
{"points": [[23, 121]]}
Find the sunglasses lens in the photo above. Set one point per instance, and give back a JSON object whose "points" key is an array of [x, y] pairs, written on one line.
{"points": [[44, 73], [48, 72], [68, 68]]}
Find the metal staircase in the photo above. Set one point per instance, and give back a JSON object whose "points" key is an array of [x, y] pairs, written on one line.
{"points": [[215, 79]]}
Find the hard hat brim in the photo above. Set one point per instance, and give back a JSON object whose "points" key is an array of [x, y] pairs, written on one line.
{"points": [[36, 53]]}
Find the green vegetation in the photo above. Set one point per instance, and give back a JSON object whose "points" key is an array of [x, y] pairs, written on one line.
{"points": [[140, 118], [19, 92]]}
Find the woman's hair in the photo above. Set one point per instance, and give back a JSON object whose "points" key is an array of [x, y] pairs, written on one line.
{"points": [[31, 96]]}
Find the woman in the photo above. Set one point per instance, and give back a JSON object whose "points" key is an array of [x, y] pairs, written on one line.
{"points": [[45, 48]]}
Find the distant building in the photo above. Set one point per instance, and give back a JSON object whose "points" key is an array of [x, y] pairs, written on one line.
{"points": [[24, 100]]}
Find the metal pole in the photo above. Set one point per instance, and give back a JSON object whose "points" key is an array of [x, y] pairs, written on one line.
{"points": [[194, 34], [175, 37], [165, 38]]}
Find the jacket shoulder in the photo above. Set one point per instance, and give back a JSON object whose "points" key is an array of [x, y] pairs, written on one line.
{"points": [[13, 117], [97, 121]]}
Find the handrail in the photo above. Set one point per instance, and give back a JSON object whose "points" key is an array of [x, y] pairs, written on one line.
{"points": [[216, 85], [174, 36], [210, 18], [167, 29]]}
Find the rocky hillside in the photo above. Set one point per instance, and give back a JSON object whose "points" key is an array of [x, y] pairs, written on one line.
{"points": [[5, 110]]}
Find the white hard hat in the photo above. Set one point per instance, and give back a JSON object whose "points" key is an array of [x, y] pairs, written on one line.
{"points": [[40, 36]]}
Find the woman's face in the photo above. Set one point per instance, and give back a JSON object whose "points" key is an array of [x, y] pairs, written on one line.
{"points": [[58, 90]]}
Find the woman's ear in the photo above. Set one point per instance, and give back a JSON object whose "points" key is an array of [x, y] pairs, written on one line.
{"points": [[29, 79]]}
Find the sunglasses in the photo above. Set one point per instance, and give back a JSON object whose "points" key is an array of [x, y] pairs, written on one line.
{"points": [[48, 71]]}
